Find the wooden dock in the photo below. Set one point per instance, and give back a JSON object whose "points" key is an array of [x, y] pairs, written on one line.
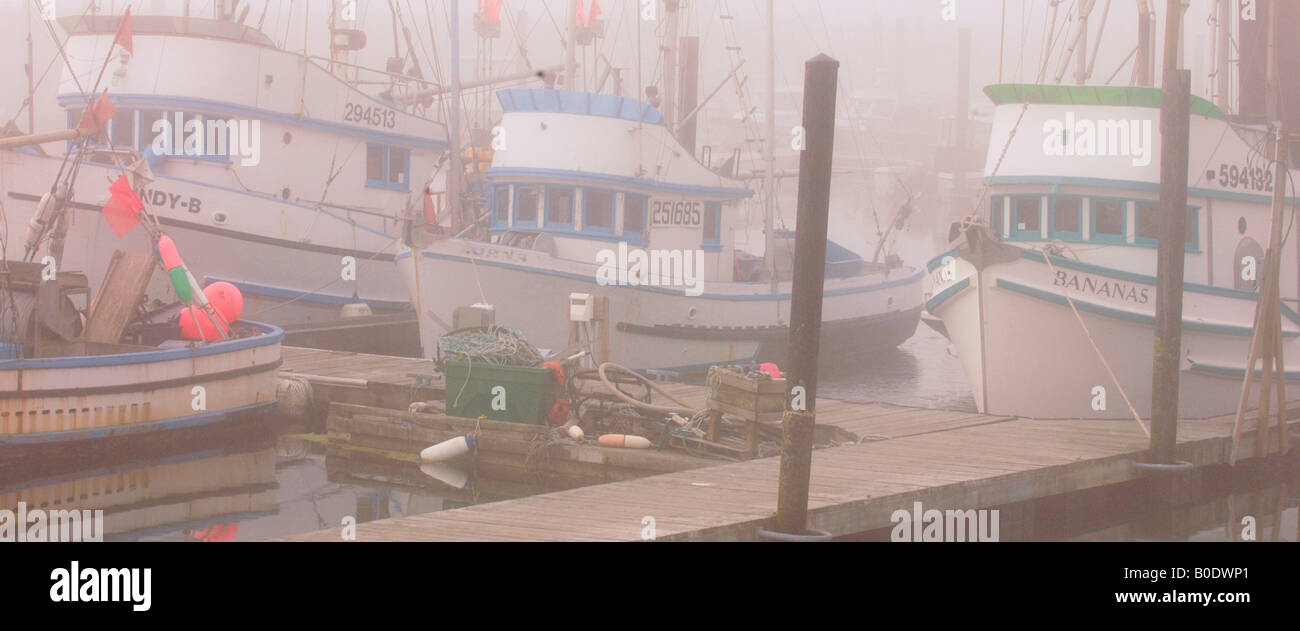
{"points": [[945, 460], [361, 378]]}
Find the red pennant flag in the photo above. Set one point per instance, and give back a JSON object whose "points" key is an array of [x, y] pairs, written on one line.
{"points": [[582, 18], [124, 32], [99, 114], [123, 208], [595, 11]]}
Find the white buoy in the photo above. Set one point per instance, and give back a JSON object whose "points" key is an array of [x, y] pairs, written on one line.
{"points": [[293, 398], [626, 441], [575, 432], [448, 449], [451, 476]]}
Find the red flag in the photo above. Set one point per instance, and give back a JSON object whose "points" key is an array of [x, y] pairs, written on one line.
{"points": [[582, 18], [123, 208], [595, 11], [99, 114], [124, 32]]}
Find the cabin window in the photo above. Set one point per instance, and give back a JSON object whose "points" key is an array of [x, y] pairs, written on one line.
{"points": [[526, 201], [633, 218], [1146, 221], [1108, 220], [388, 167], [1066, 218], [147, 134], [995, 214], [597, 210], [712, 223], [559, 206], [122, 129], [501, 212], [1193, 230], [1026, 217]]}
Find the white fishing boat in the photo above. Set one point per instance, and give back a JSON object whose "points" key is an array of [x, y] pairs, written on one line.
{"points": [[604, 196], [578, 221], [1081, 228], [273, 170]]}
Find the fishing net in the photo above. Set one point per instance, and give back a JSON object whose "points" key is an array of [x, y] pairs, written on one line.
{"points": [[498, 345]]}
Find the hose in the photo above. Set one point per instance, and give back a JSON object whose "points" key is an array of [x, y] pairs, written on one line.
{"points": [[663, 409]]}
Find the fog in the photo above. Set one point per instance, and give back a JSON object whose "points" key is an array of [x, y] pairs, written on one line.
{"points": [[862, 34]]}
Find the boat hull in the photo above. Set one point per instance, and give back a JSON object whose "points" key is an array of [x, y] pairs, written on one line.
{"points": [[1026, 354], [659, 328], [67, 400]]}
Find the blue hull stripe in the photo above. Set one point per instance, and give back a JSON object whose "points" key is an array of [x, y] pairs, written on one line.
{"points": [[1196, 288], [1191, 325], [183, 422], [270, 335], [939, 298], [1237, 373]]}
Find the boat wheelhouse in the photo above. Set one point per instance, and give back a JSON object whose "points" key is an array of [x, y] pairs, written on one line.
{"points": [[1069, 222], [272, 170]]}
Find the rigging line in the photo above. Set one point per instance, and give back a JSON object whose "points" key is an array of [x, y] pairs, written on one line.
{"points": [[1047, 256]]}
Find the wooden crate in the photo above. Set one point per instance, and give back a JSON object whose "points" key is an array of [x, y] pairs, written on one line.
{"points": [[754, 401]]}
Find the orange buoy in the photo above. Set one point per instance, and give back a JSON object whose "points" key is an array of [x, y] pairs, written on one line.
{"points": [[626, 441]]}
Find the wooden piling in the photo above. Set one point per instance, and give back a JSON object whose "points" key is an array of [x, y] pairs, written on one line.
{"points": [[820, 83], [1175, 120]]}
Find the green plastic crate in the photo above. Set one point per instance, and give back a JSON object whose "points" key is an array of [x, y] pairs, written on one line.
{"points": [[529, 392]]}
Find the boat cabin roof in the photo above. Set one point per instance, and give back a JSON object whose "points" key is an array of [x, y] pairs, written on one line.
{"points": [[1004, 93], [583, 103], [166, 25]]}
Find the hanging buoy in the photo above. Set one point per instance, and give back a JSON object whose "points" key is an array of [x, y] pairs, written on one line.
{"points": [[575, 432], [448, 449], [175, 267], [626, 441]]}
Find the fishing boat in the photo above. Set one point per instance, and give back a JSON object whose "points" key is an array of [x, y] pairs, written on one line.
{"points": [[603, 197], [283, 173], [61, 390], [1049, 293]]}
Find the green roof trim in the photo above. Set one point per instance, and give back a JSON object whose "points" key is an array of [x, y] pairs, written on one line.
{"points": [[1003, 93]]}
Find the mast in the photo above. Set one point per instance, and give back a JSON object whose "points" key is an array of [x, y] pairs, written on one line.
{"points": [[454, 169], [670, 63], [769, 239], [1222, 67], [571, 48], [31, 67]]}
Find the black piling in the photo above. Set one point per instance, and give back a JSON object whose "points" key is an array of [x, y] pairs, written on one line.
{"points": [[821, 75]]}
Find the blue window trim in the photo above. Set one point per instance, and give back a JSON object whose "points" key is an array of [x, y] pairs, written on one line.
{"points": [[1026, 235], [613, 211], [499, 221], [546, 206], [1052, 232], [1092, 221], [635, 237], [405, 186], [717, 225], [520, 222]]}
